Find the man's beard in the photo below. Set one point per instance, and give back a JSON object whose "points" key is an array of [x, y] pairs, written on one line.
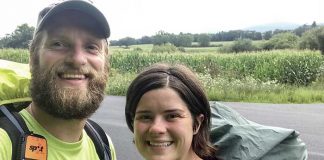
{"points": [[67, 103]]}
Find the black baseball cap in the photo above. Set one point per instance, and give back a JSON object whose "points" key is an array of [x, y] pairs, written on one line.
{"points": [[75, 5]]}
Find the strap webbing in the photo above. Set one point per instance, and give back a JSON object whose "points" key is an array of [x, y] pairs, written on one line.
{"points": [[102, 151], [12, 119]]}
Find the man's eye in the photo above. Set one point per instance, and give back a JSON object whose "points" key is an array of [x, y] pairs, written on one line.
{"points": [[58, 44], [93, 49]]}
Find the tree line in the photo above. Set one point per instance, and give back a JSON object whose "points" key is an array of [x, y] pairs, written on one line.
{"points": [[186, 39], [20, 38], [22, 35]]}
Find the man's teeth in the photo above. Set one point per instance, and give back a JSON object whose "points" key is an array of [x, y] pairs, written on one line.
{"points": [[73, 76], [160, 144]]}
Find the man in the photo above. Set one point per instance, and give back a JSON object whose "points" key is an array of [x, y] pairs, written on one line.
{"points": [[69, 67]]}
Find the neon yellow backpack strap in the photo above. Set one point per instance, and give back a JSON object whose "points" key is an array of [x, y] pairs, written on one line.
{"points": [[14, 82]]}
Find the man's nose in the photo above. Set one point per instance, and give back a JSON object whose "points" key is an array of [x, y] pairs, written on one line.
{"points": [[77, 56], [158, 126]]}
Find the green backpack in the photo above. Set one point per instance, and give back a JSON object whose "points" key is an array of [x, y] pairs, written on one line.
{"points": [[14, 82]]}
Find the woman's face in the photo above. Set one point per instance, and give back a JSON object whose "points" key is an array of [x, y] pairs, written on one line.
{"points": [[163, 126]]}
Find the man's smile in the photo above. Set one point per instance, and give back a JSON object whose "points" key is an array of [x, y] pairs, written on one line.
{"points": [[70, 76]]}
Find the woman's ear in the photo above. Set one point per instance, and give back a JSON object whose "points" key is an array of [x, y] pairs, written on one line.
{"points": [[199, 120]]}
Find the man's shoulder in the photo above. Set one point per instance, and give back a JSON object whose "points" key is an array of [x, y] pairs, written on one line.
{"points": [[4, 136], [5, 145], [99, 136]]}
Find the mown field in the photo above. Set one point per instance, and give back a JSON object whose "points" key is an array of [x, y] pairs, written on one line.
{"points": [[279, 76]]}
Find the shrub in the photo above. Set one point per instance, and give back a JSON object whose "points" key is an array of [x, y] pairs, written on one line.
{"points": [[320, 38], [242, 45], [168, 48], [309, 40], [313, 39], [239, 45], [182, 40], [286, 40], [204, 40]]}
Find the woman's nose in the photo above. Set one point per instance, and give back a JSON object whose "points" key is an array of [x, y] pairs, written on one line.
{"points": [[158, 126]]}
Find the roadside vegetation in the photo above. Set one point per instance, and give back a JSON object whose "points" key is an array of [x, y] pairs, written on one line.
{"points": [[247, 66], [277, 76]]}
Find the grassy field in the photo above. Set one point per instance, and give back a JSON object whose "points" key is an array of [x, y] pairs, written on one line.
{"points": [[244, 90], [280, 76], [247, 77]]}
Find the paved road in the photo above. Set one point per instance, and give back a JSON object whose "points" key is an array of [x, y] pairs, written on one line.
{"points": [[305, 118]]}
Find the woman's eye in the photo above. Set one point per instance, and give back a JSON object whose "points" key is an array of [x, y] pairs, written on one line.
{"points": [[172, 116], [143, 117]]}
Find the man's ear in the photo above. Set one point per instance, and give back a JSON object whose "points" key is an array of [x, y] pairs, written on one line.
{"points": [[199, 120]]}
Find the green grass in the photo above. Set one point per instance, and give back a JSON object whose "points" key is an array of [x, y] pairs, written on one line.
{"points": [[148, 47], [118, 83], [17, 55], [144, 47], [202, 50], [286, 66], [245, 90]]}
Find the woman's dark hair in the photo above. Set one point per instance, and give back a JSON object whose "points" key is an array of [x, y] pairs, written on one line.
{"points": [[185, 83]]}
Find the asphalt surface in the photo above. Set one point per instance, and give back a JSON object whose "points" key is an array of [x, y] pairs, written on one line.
{"points": [[307, 119]]}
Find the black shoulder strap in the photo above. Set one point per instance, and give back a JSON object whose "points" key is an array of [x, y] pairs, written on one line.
{"points": [[99, 138], [16, 128]]}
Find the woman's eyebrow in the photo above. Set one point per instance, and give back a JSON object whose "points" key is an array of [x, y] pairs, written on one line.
{"points": [[142, 112], [174, 110], [166, 111]]}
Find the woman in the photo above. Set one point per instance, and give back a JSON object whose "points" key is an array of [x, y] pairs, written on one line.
{"points": [[169, 114]]}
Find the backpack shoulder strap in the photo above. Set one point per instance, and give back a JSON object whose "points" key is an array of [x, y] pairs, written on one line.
{"points": [[99, 138], [16, 129]]}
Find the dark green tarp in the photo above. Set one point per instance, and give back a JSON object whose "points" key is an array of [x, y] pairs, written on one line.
{"points": [[241, 139]]}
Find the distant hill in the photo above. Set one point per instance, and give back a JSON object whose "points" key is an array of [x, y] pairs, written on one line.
{"points": [[273, 26]]}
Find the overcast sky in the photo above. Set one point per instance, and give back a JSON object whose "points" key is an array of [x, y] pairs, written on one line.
{"points": [[136, 18]]}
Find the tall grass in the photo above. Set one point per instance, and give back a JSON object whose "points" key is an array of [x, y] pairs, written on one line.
{"points": [[280, 76], [17, 55], [284, 66], [244, 90]]}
